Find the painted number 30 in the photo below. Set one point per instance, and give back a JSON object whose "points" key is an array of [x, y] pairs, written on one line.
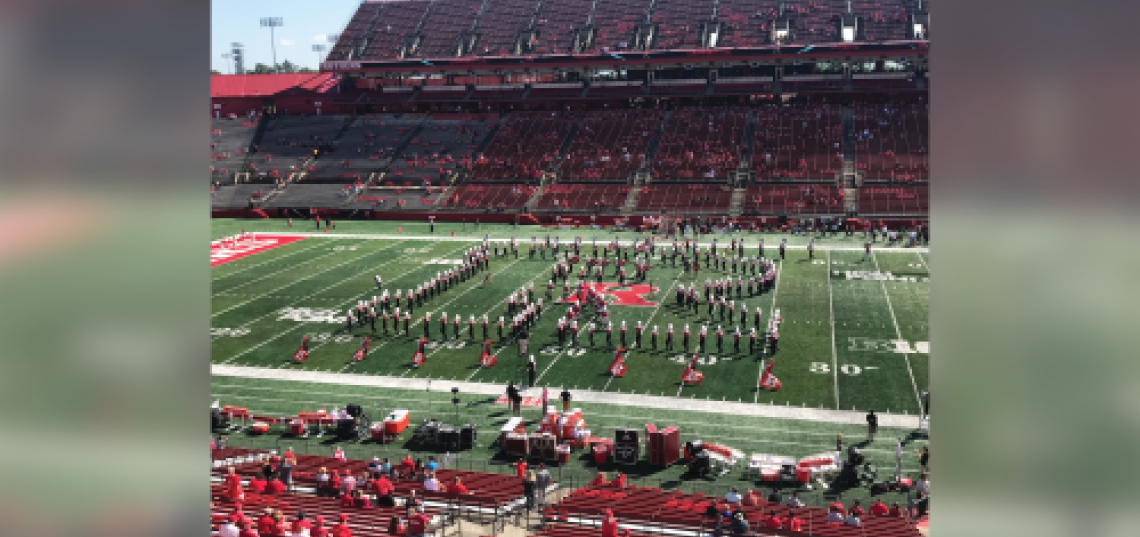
{"points": [[847, 369]]}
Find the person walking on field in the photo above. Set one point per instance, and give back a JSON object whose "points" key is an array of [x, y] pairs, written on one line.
{"points": [[872, 425]]}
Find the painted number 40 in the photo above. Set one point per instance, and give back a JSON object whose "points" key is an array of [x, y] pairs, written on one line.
{"points": [[847, 369]]}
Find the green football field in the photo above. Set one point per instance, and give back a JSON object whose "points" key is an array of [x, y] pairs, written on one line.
{"points": [[854, 335]]}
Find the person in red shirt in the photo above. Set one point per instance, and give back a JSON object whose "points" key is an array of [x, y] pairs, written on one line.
{"points": [[319, 529], [341, 530], [232, 485], [407, 466], [895, 510], [772, 521], [879, 508], [599, 479], [383, 490], [334, 481], [836, 507], [418, 523], [856, 510], [247, 530], [257, 485], [609, 525], [275, 487], [266, 525], [456, 488], [620, 480], [520, 469], [346, 500], [749, 499], [300, 525], [793, 523]]}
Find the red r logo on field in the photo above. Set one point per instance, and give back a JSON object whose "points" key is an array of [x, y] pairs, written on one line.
{"points": [[617, 294]]}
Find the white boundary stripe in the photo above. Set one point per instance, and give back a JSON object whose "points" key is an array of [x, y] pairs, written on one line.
{"points": [[274, 273], [337, 396], [224, 276], [254, 320], [298, 280], [771, 311], [649, 322], [437, 238], [298, 325], [585, 396], [831, 317], [898, 333], [923, 260], [438, 308]]}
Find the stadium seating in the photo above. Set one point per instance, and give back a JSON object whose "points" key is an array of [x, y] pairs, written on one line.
{"points": [[365, 142], [679, 513], [356, 28], [610, 144], [447, 20], [678, 23], [525, 145], [884, 200], [397, 199], [676, 199], [792, 199], [891, 141], [500, 24], [399, 21], [582, 197], [289, 141], [615, 20], [440, 148], [742, 27], [229, 144], [311, 195], [700, 142], [797, 142], [488, 197], [557, 23]]}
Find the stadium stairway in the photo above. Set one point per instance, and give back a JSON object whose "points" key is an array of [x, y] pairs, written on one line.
{"points": [[736, 205], [533, 200], [631, 200], [490, 135]]}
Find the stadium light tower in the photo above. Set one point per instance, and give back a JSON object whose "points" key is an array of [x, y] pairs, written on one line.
{"points": [[227, 56], [271, 23], [319, 49], [239, 58]]}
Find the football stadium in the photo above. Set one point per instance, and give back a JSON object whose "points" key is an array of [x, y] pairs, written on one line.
{"points": [[585, 268]]}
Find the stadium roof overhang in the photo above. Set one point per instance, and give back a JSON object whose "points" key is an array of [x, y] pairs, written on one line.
{"points": [[782, 54]]}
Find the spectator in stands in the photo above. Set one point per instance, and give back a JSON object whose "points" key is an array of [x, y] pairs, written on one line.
{"points": [[895, 511], [386, 466], [609, 524], [431, 483], [853, 518], [228, 529], [879, 508], [247, 530], [232, 486], [419, 470], [431, 465], [269, 469], [856, 509], [374, 467], [774, 497], [322, 481], [275, 486], [542, 483], [334, 482], [528, 488], [772, 521], [285, 471], [341, 530], [346, 500], [267, 525], [384, 489], [456, 488], [733, 496], [598, 480], [360, 500], [792, 523], [257, 485], [749, 499], [835, 517], [348, 484], [407, 466], [418, 523], [396, 526], [739, 524]]}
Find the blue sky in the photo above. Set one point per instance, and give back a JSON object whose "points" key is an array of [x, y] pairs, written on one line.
{"points": [[306, 23]]}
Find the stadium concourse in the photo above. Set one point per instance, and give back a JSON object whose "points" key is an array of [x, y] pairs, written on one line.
{"points": [[508, 246]]}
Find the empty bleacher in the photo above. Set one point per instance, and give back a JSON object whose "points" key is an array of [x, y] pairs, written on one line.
{"points": [[579, 197], [489, 198], [742, 27], [651, 510], [439, 149], [678, 199], [700, 142], [366, 143], [557, 23], [615, 20], [448, 19], [797, 142], [792, 199], [500, 24], [311, 195], [399, 22], [610, 144], [393, 198], [884, 200], [289, 141], [678, 23], [891, 141], [525, 145]]}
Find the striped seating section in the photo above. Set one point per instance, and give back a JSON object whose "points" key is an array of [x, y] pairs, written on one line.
{"points": [[793, 199], [682, 198]]}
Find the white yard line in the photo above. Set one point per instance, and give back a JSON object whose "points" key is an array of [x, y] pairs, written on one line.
{"points": [[299, 280], [420, 320], [649, 322], [437, 238], [274, 273], [585, 396], [771, 311], [298, 325], [898, 333], [831, 317], [224, 276], [920, 258]]}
